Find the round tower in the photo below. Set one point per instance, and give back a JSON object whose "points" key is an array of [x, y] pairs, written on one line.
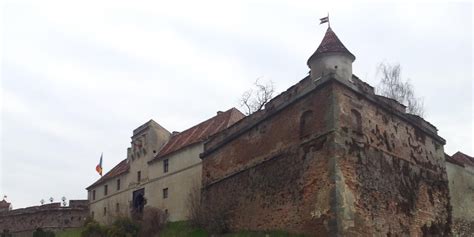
{"points": [[331, 57]]}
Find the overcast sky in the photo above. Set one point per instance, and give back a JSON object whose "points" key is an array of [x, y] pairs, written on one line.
{"points": [[78, 76]]}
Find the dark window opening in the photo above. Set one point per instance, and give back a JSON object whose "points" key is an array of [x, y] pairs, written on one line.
{"points": [[165, 193], [105, 211], [165, 165], [306, 121], [93, 194], [139, 200], [139, 176], [356, 122], [106, 189], [118, 184], [117, 207]]}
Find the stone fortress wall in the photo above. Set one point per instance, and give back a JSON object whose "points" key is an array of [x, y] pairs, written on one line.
{"points": [[22, 222]]}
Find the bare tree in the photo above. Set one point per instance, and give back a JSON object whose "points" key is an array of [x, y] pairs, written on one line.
{"points": [[393, 86], [255, 99]]}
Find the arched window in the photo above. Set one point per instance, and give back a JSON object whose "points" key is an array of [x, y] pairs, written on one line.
{"points": [[306, 123], [356, 121]]}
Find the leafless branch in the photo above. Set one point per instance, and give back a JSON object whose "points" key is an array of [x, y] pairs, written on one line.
{"points": [[255, 99], [393, 86]]}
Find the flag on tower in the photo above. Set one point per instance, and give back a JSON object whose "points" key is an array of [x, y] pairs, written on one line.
{"points": [[98, 168], [324, 20]]}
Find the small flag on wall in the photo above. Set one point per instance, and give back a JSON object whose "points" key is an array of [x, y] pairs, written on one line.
{"points": [[98, 168]]}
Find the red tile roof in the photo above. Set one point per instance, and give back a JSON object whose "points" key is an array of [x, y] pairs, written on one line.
{"points": [[461, 159], [200, 132], [330, 44], [181, 140], [119, 169]]}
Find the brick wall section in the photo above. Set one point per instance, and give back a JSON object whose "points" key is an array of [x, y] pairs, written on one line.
{"points": [[357, 166], [394, 174], [48, 216], [272, 176]]}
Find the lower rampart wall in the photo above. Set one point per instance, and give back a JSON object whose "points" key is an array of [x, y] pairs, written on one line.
{"points": [[22, 222]]}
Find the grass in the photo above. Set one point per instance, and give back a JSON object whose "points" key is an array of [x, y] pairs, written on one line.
{"points": [[70, 233], [182, 229]]}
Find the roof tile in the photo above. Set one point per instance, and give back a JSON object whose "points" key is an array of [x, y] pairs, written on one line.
{"points": [[330, 44], [201, 131]]}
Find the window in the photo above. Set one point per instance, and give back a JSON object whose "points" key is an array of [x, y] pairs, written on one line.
{"points": [[117, 207], [165, 165], [105, 211], [139, 176], [92, 215], [306, 124], [106, 189], [93, 194], [165, 193], [118, 184], [356, 122]]}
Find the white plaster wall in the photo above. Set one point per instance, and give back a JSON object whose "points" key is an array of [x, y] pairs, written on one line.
{"points": [[461, 190], [183, 175], [122, 196], [327, 64]]}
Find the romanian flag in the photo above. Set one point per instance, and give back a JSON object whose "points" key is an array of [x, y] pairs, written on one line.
{"points": [[98, 168]]}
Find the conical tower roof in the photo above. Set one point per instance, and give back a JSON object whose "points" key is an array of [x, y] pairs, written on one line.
{"points": [[330, 44]]}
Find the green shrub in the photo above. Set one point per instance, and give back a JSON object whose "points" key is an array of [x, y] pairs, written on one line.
{"points": [[93, 229], [123, 227], [154, 219], [41, 233], [6, 233]]}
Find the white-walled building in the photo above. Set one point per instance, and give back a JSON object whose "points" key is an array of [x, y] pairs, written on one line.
{"points": [[161, 169]]}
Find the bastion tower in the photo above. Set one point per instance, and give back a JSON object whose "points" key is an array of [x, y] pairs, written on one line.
{"points": [[329, 157]]}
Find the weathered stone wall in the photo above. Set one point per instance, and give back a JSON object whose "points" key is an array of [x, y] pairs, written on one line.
{"points": [[22, 222], [330, 158], [461, 189], [276, 174], [393, 179]]}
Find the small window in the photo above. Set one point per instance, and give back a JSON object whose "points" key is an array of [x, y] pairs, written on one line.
{"points": [[166, 212], [93, 194], [92, 215], [165, 165], [306, 124], [139, 176], [165, 193], [106, 189], [117, 207], [105, 211], [118, 184], [356, 121]]}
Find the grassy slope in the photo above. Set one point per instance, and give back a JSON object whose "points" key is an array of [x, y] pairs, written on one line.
{"points": [[182, 229], [70, 233]]}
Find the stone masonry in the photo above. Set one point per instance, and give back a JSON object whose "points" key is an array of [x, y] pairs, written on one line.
{"points": [[329, 157], [22, 222]]}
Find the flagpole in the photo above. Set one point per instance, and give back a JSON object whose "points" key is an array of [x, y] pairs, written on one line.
{"points": [[329, 23]]}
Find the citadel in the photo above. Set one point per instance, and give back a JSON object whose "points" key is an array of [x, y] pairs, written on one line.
{"points": [[327, 157]]}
